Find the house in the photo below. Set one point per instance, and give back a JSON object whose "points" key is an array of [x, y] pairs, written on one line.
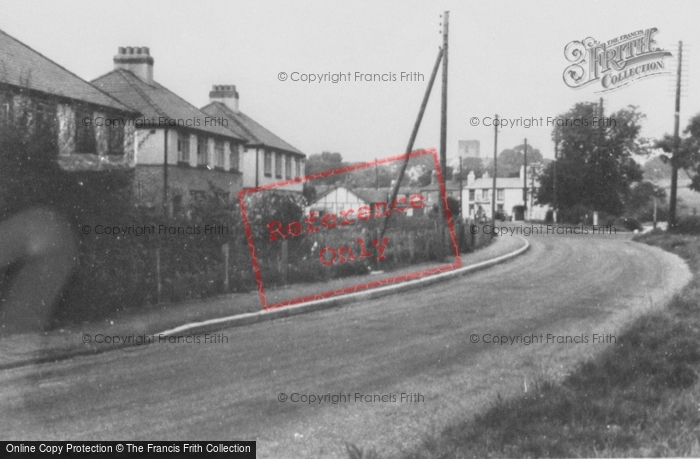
{"points": [[182, 152], [432, 192], [266, 158], [509, 196], [337, 199], [71, 115]]}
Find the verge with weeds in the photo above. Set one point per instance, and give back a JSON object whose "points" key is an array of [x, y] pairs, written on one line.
{"points": [[640, 397]]}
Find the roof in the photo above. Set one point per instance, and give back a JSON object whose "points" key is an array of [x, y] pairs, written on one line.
{"points": [[449, 185], [372, 195], [246, 127], [501, 182], [24, 67], [155, 101]]}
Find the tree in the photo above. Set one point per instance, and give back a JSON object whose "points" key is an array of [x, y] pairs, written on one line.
{"points": [[640, 202], [657, 168], [688, 150], [324, 162], [511, 160], [596, 166], [471, 164]]}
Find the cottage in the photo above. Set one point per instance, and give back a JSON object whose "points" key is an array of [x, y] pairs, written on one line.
{"points": [[478, 195]]}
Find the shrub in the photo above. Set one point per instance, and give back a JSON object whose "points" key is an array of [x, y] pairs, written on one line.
{"points": [[688, 225], [629, 223]]}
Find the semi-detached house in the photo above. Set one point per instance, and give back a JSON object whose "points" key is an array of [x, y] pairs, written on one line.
{"points": [[267, 158], [64, 111], [182, 152]]}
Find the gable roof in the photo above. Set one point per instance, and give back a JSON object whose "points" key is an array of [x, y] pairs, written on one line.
{"points": [[156, 101], [24, 67], [243, 125], [502, 182], [450, 185]]}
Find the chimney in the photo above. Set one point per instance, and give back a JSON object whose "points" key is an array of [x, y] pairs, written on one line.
{"points": [[137, 60], [470, 178], [225, 94]]}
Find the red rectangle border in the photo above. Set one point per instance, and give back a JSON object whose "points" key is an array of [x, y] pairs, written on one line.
{"points": [[361, 287]]}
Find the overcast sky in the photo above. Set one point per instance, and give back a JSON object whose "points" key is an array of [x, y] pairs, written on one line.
{"points": [[504, 57]]}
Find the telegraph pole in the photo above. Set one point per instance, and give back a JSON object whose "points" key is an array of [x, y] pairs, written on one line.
{"points": [[443, 109], [525, 182], [461, 209], [556, 159], [166, 204], [676, 142], [412, 139], [495, 172]]}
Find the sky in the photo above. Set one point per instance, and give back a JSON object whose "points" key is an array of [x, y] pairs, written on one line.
{"points": [[504, 57]]}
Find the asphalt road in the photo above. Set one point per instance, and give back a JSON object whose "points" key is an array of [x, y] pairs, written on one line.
{"points": [[419, 342]]}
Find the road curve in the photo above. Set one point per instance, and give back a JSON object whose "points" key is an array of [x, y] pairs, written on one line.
{"points": [[418, 342]]}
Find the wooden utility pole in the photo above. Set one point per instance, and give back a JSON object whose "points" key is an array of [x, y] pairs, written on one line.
{"points": [[495, 172], [414, 133], [376, 176], [676, 143], [461, 209], [556, 159], [443, 109], [166, 206], [525, 182]]}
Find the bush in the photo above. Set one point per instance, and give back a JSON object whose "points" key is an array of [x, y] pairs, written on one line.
{"points": [[629, 223], [688, 225]]}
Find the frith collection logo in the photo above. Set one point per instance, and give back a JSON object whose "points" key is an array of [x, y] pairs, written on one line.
{"points": [[614, 63]]}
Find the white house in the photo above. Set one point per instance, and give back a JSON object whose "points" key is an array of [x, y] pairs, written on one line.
{"points": [[266, 158], [340, 199], [478, 194]]}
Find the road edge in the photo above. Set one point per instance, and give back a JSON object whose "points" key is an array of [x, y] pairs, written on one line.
{"points": [[288, 311]]}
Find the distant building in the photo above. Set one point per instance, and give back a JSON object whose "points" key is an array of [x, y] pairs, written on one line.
{"points": [[478, 195], [199, 150], [469, 149], [266, 158], [433, 195], [64, 110], [340, 199], [465, 149]]}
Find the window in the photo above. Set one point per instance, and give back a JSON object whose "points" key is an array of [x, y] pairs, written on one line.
{"points": [[235, 158], [202, 151], [472, 195], [268, 164], [501, 195], [288, 167], [115, 138], [278, 165], [183, 148], [84, 135], [298, 168], [219, 154], [5, 104], [44, 126]]}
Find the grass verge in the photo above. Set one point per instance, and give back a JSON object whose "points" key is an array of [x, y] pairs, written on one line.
{"points": [[641, 397]]}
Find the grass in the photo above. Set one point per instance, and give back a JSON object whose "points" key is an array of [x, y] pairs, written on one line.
{"points": [[639, 398]]}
